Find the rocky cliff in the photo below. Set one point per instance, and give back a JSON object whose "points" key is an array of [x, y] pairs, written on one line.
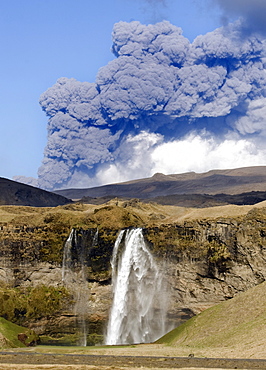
{"points": [[204, 259]]}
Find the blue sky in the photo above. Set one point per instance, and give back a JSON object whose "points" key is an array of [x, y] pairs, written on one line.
{"points": [[43, 40]]}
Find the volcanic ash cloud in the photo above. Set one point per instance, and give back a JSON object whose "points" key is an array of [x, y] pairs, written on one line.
{"points": [[159, 92]]}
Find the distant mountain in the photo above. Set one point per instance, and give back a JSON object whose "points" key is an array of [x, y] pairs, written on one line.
{"points": [[16, 193], [236, 186]]}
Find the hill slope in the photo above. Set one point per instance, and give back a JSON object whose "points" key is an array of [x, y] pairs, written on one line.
{"points": [[18, 194], [12, 335], [161, 188], [236, 326]]}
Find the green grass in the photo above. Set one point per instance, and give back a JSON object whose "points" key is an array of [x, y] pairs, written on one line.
{"points": [[239, 320], [10, 332]]}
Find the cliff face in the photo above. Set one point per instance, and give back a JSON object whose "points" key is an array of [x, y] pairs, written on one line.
{"points": [[215, 261], [204, 261]]}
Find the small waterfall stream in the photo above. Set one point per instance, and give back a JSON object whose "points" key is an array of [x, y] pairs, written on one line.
{"points": [[74, 277], [138, 312], [67, 259]]}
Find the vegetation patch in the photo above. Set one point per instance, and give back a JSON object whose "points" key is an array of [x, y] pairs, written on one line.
{"points": [[116, 217], [93, 339], [20, 305]]}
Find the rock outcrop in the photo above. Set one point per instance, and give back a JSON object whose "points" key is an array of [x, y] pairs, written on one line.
{"points": [[204, 261]]}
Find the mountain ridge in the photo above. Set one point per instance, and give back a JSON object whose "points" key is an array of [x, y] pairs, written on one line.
{"points": [[240, 186], [230, 182], [19, 194]]}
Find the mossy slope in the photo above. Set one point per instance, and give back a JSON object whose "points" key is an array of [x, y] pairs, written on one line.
{"points": [[241, 320], [10, 334]]}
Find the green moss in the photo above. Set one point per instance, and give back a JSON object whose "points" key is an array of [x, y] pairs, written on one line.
{"points": [[175, 242], [217, 252], [94, 339], [45, 301], [18, 304], [71, 340], [64, 340]]}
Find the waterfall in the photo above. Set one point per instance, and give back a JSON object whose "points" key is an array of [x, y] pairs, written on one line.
{"points": [[74, 278], [138, 311], [66, 265]]}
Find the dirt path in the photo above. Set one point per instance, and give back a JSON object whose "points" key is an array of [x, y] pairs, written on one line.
{"points": [[84, 361]]}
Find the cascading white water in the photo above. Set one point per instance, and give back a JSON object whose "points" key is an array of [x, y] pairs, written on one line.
{"points": [[66, 264], [75, 280], [138, 311]]}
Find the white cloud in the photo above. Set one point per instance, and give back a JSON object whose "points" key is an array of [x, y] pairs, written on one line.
{"points": [[134, 159], [111, 174], [200, 154], [194, 153]]}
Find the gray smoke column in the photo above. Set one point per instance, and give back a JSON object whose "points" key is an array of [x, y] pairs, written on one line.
{"points": [[159, 95], [252, 11]]}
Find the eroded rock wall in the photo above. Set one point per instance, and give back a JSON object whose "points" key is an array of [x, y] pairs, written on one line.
{"points": [[207, 262]]}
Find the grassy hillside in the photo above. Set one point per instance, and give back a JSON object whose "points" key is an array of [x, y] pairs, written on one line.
{"points": [[236, 326], [10, 334], [116, 214]]}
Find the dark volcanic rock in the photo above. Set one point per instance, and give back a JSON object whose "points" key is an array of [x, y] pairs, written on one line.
{"points": [[18, 194]]}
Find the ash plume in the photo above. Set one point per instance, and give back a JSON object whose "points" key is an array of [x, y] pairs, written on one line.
{"points": [[253, 13], [164, 104]]}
